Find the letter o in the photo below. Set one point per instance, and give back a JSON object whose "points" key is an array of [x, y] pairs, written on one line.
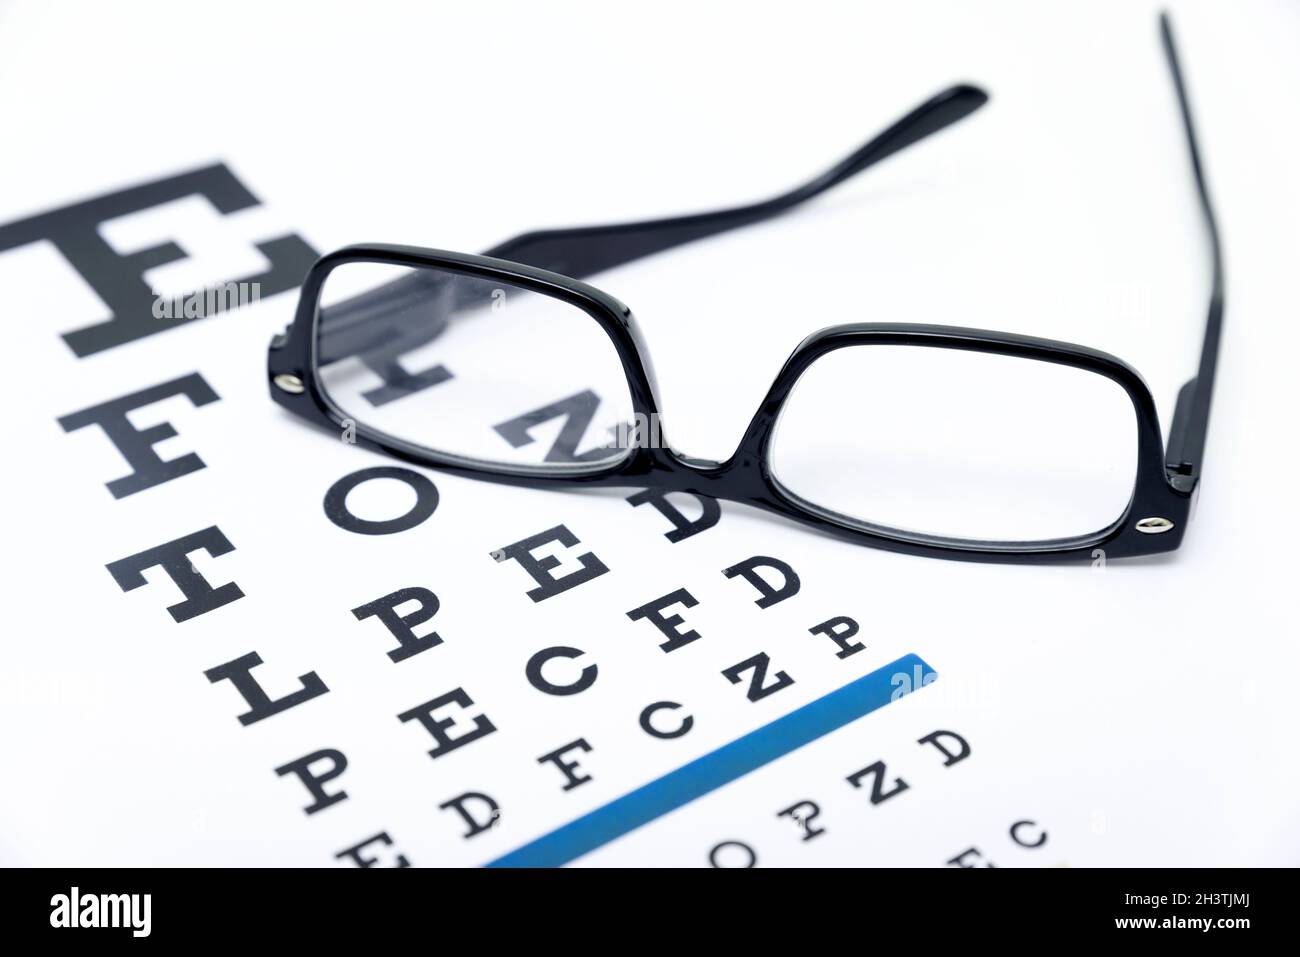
{"points": [[336, 507], [713, 854]]}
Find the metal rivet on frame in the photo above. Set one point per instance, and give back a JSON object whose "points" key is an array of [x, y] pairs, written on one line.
{"points": [[288, 383], [1154, 526]]}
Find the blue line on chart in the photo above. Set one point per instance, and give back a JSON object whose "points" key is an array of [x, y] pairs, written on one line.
{"points": [[726, 764]]}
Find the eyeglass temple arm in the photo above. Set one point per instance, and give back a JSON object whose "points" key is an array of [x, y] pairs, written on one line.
{"points": [[1192, 410], [353, 326], [585, 250]]}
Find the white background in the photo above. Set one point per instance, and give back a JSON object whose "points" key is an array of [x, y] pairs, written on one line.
{"points": [[1144, 713]]}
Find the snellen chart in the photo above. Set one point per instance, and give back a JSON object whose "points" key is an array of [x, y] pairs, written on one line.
{"points": [[696, 769]]}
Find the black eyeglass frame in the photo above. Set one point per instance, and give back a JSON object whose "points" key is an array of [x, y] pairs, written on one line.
{"points": [[1165, 484]]}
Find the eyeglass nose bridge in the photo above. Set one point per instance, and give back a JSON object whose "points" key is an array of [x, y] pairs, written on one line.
{"points": [[738, 478]]}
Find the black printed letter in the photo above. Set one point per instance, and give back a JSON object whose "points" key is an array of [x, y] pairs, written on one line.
{"points": [[803, 814], [315, 783], [758, 664], [362, 860], [438, 726], [653, 612], [260, 704], [540, 568], [573, 775], [683, 527], [949, 757], [336, 501], [877, 773], [649, 711], [200, 597], [118, 279], [841, 631], [136, 445], [534, 671], [476, 826], [767, 595], [402, 626]]}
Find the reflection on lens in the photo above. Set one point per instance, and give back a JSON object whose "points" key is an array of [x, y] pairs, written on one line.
{"points": [[470, 367], [953, 444]]}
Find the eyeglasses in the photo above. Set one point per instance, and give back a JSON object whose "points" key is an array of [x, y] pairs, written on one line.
{"points": [[504, 367]]}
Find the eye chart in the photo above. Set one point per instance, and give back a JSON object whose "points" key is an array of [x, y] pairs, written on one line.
{"points": [[234, 639]]}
